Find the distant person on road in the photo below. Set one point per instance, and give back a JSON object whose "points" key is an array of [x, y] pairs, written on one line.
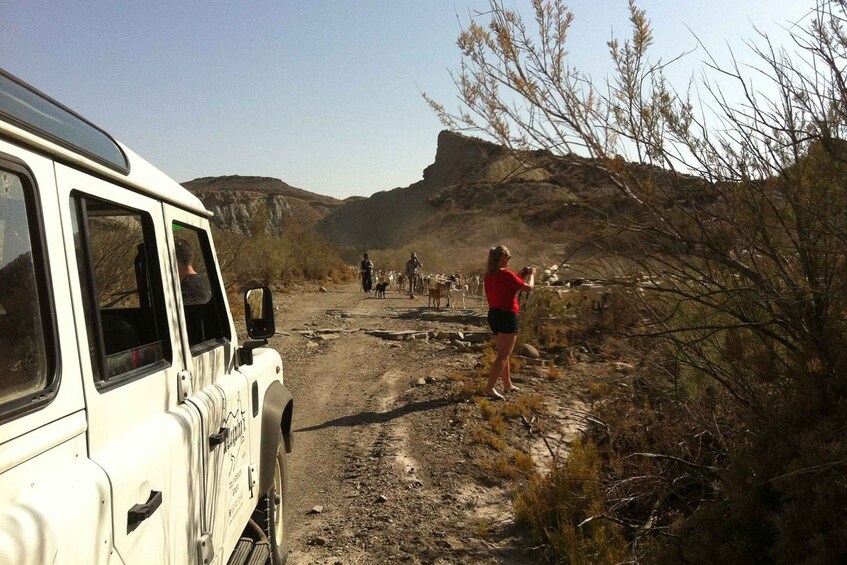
{"points": [[412, 266], [367, 273], [194, 286], [501, 290]]}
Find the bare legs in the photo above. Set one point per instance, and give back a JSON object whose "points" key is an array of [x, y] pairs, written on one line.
{"points": [[500, 368]]}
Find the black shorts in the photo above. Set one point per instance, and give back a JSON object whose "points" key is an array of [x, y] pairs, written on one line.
{"points": [[502, 321]]}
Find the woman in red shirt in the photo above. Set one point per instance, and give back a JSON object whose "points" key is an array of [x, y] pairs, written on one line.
{"points": [[501, 291]]}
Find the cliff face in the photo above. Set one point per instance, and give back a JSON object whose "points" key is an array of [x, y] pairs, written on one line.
{"points": [[391, 218], [272, 212], [474, 192], [245, 204]]}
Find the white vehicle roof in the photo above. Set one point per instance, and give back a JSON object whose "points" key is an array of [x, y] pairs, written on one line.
{"points": [[36, 120]]}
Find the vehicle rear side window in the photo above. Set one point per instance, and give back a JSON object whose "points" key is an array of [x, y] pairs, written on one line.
{"points": [[202, 295], [124, 301], [26, 365]]}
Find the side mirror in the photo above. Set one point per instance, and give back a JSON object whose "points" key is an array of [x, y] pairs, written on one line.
{"points": [[259, 312]]}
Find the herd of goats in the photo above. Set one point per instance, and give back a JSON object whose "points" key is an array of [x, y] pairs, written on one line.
{"points": [[453, 289]]}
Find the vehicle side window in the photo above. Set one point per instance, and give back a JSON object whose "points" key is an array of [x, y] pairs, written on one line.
{"points": [[122, 285], [202, 294], [26, 352]]}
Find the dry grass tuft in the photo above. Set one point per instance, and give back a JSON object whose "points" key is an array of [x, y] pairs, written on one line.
{"points": [[599, 389], [554, 373], [486, 409], [456, 376], [483, 529], [469, 388], [525, 406], [517, 465], [483, 437], [497, 424], [515, 365], [493, 416]]}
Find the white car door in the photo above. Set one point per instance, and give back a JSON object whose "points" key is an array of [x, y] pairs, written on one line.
{"points": [[220, 392], [140, 432]]}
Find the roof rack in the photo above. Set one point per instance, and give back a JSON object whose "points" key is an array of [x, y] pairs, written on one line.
{"points": [[25, 107]]}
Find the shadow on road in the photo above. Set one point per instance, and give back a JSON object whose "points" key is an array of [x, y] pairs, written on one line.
{"points": [[381, 417], [469, 317]]}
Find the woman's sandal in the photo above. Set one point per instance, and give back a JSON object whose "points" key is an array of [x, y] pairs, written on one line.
{"points": [[512, 389], [494, 395]]}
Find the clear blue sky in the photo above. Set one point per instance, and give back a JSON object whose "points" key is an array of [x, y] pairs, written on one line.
{"points": [[322, 94]]}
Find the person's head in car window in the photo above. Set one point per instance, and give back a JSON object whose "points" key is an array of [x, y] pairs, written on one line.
{"points": [[195, 287]]}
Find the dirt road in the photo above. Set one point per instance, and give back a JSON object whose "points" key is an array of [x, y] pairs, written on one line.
{"points": [[382, 470]]}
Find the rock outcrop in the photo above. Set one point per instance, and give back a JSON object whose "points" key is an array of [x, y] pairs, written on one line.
{"points": [[243, 204], [475, 192]]}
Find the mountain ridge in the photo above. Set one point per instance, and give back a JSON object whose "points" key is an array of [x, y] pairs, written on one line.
{"points": [[475, 193]]}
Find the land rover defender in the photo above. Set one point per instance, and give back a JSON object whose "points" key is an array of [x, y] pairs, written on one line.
{"points": [[134, 427]]}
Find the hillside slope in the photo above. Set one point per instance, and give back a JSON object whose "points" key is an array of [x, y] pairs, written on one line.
{"points": [[475, 193], [242, 203]]}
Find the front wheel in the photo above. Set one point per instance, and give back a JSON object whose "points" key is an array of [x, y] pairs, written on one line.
{"points": [[276, 505]]}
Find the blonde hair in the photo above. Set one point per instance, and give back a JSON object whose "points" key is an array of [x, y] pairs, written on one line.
{"points": [[494, 256]]}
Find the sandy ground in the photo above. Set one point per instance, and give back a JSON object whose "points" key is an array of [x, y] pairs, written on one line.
{"points": [[384, 468]]}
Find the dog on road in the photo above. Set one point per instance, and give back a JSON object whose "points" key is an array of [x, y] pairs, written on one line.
{"points": [[380, 289]]}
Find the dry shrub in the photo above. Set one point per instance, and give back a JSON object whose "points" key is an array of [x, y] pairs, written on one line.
{"points": [[489, 354], [747, 255], [469, 387], [525, 463], [236, 303], [515, 365], [599, 389], [497, 424], [531, 403], [340, 275], [552, 325], [554, 373], [456, 376], [517, 465], [114, 246], [564, 510], [543, 320], [486, 409], [298, 255], [526, 406], [483, 529], [660, 455], [484, 437]]}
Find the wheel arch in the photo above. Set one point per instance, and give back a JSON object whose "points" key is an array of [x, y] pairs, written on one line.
{"points": [[277, 412]]}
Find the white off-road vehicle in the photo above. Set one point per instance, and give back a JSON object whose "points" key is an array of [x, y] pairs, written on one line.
{"points": [[134, 428]]}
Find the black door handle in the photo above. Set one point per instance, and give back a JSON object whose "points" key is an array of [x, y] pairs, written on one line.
{"points": [[141, 512], [218, 438]]}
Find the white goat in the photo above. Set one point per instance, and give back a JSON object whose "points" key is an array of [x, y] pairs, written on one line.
{"points": [[455, 294]]}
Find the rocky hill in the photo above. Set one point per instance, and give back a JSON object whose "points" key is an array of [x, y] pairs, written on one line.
{"points": [[474, 194], [242, 204]]}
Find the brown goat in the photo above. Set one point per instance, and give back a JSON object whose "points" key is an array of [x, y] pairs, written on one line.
{"points": [[435, 296]]}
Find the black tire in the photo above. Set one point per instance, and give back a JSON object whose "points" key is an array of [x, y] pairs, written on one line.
{"points": [[277, 509]]}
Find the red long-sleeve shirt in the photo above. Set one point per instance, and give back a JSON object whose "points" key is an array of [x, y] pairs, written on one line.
{"points": [[501, 290]]}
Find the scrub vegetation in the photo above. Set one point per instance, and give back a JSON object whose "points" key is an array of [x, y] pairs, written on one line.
{"points": [[726, 443], [296, 256]]}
